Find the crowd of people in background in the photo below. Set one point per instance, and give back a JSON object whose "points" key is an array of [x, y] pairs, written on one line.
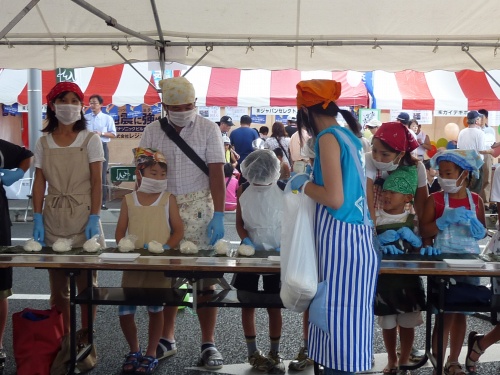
{"points": [[374, 195]]}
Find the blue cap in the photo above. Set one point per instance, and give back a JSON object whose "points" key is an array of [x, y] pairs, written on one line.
{"points": [[404, 117]]}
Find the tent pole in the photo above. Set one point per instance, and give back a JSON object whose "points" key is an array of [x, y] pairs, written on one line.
{"points": [[34, 109], [18, 18], [110, 21], [115, 48], [209, 49], [466, 50], [157, 21]]}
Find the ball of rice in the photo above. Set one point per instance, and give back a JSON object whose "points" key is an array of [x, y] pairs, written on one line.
{"points": [[187, 247], [32, 245], [221, 247], [246, 250], [155, 247]]}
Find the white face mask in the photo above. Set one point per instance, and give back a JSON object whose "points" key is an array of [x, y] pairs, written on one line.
{"points": [[449, 185], [152, 186], [182, 119], [68, 114], [386, 167]]}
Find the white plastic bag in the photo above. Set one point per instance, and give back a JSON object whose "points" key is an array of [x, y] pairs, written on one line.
{"points": [[493, 245], [299, 275]]}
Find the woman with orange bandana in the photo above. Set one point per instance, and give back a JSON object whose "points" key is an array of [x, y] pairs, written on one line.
{"points": [[341, 314]]}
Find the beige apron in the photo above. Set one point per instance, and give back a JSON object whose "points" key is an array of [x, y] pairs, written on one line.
{"points": [[67, 205], [148, 223], [66, 210]]}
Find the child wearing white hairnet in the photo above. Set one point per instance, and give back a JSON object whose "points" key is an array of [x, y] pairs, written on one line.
{"points": [[258, 223]]}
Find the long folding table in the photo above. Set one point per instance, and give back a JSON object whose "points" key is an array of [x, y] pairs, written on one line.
{"points": [[194, 268]]}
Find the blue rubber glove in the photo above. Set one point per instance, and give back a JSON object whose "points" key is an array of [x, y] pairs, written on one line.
{"points": [[308, 169], [388, 236], [215, 229], [459, 215], [92, 227], [391, 249], [247, 241], [430, 250], [298, 180], [165, 247], [38, 229], [9, 176], [477, 229], [407, 234]]}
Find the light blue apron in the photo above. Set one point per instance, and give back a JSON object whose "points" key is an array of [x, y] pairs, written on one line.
{"points": [[457, 238]]}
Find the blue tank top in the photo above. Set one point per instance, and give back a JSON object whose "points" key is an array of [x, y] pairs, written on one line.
{"points": [[352, 209]]}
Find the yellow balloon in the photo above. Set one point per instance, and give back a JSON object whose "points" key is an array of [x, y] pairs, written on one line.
{"points": [[433, 143], [451, 131], [441, 142]]}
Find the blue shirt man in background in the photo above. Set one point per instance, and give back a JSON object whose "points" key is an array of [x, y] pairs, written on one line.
{"points": [[104, 126]]}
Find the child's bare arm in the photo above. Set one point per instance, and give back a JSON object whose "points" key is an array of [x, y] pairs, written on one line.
{"points": [[122, 224], [481, 216], [427, 225], [176, 223], [240, 225], [370, 199]]}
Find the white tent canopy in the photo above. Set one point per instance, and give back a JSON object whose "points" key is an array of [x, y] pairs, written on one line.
{"points": [[330, 35]]}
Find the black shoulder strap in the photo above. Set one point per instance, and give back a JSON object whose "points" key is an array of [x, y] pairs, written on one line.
{"points": [[282, 149], [181, 143]]}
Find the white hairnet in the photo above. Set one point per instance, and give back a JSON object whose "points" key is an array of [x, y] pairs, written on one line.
{"points": [[261, 167]]}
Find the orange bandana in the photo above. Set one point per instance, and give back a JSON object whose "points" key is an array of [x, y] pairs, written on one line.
{"points": [[317, 91], [146, 155]]}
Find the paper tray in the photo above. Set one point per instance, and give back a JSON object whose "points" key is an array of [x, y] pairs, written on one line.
{"points": [[464, 263], [119, 257]]}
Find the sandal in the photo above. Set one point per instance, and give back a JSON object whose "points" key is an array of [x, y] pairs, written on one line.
{"points": [[453, 368], [473, 346], [131, 362], [211, 359], [147, 365], [390, 371]]}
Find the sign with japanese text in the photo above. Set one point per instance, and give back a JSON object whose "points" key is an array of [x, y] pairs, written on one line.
{"points": [[259, 119], [368, 114], [9, 109], [274, 111], [211, 113], [65, 75], [451, 113], [236, 112]]}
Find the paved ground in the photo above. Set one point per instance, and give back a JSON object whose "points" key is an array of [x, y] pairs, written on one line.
{"points": [[31, 290]]}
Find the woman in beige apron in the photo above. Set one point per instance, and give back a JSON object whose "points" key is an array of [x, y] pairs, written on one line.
{"points": [[69, 160]]}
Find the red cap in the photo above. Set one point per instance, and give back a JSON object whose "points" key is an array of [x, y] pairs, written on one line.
{"points": [[63, 87], [397, 136]]}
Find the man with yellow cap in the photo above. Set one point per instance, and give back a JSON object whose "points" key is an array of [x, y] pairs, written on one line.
{"points": [[200, 195]]}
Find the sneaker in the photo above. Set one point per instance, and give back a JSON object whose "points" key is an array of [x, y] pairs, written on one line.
{"points": [[259, 362], [104, 208], [301, 361], [416, 355], [165, 349], [278, 366]]}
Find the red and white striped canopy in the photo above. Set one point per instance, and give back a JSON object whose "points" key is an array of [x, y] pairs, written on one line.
{"points": [[219, 87], [436, 90], [262, 88], [118, 84]]}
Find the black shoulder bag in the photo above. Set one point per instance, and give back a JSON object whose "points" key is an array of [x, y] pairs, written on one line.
{"points": [[181, 143]]}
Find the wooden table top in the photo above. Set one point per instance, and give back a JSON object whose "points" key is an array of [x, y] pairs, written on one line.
{"points": [[424, 267]]}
